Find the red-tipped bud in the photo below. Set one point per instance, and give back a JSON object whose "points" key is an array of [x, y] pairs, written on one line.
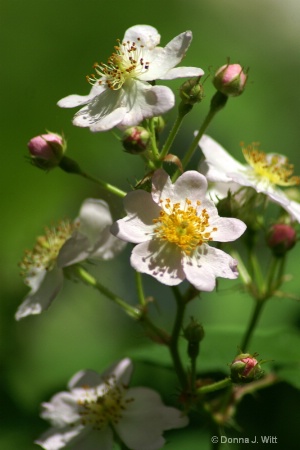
{"points": [[245, 368], [136, 140], [281, 238], [230, 79], [46, 150]]}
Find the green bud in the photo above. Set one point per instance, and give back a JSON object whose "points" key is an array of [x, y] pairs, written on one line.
{"points": [[193, 333], [191, 91]]}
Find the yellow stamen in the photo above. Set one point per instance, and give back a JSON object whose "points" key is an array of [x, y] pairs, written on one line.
{"points": [[187, 228], [271, 166], [44, 253], [126, 62], [99, 410]]}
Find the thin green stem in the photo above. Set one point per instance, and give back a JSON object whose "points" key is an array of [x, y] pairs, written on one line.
{"points": [[170, 139], [173, 346], [252, 324], [215, 386], [140, 289], [155, 151], [70, 166], [257, 274], [107, 186], [217, 103], [89, 280]]}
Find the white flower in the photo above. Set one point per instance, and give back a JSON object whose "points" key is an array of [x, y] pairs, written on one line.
{"points": [[173, 226], [121, 94], [264, 172], [98, 406], [67, 244]]}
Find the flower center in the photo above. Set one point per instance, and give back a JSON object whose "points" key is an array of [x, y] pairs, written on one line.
{"points": [[99, 410], [271, 166], [46, 249], [187, 228], [126, 62]]}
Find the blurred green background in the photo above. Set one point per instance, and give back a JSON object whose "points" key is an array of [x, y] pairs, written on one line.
{"points": [[47, 48]]}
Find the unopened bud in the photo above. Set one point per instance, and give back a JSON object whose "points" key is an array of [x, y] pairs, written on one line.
{"points": [[281, 238], [230, 79], [193, 333], [245, 368], [46, 150], [191, 91], [136, 140]]}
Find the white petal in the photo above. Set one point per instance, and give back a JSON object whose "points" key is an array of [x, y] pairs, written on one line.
{"points": [[82, 378], [182, 72], [144, 101], [74, 250], [94, 217], [143, 34], [293, 208], [62, 410], [160, 260], [145, 420], [207, 263], [122, 370], [138, 225], [168, 57], [228, 229], [191, 185], [162, 186], [71, 101], [54, 439], [40, 299], [107, 247], [220, 163], [103, 112]]}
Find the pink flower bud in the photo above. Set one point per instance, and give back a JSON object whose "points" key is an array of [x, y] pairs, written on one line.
{"points": [[245, 368], [230, 80], [281, 238], [46, 150]]}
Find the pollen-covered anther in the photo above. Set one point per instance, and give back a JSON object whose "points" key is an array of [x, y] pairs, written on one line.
{"points": [[273, 167], [187, 227], [125, 62], [46, 249], [99, 410]]}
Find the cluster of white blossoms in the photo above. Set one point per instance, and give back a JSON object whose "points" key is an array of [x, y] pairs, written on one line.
{"points": [[97, 407], [174, 228], [121, 94], [88, 237]]}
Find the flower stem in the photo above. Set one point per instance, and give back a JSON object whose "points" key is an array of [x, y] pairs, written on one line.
{"points": [[218, 102], [252, 324], [176, 126], [173, 346], [88, 279], [71, 166], [140, 289], [215, 386]]}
